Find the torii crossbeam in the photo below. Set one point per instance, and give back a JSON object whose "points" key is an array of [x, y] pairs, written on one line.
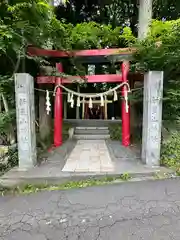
{"points": [[119, 55]]}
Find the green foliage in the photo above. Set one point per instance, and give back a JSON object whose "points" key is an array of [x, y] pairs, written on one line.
{"points": [[7, 116], [29, 188], [125, 176], [166, 8], [170, 152], [12, 161], [115, 12], [115, 131], [161, 52], [93, 35], [23, 23], [5, 120], [7, 88]]}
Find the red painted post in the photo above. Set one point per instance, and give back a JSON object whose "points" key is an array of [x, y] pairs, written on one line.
{"points": [[125, 113], [58, 110]]}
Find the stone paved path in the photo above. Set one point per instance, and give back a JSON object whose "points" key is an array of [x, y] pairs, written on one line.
{"points": [[128, 211], [89, 156]]}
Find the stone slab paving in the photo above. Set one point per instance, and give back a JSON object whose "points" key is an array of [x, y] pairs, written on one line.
{"points": [[123, 160], [89, 156], [128, 159]]}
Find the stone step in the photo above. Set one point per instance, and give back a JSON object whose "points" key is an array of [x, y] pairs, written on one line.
{"points": [[91, 122], [91, 131], [91, 128], [91, 137]]}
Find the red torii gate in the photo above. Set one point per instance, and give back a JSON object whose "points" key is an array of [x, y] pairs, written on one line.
{"points": [[108, 78]]}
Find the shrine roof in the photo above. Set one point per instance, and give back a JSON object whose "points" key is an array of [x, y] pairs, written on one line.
{"points": [[86, 56]]}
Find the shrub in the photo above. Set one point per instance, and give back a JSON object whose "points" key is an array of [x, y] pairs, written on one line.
{"points": [[160, 51], [12, 160], [115, 131], [170, 152], [93, 35]]}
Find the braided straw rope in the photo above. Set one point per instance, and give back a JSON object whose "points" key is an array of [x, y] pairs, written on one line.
{"points": [[85, 95]]}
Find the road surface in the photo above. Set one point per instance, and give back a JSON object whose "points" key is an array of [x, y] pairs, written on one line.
{"points": [[128, 211]]}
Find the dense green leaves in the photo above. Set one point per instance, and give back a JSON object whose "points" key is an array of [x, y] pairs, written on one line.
{"points": [[161, 51], [21, 23], [170, 152], [92, 35]]}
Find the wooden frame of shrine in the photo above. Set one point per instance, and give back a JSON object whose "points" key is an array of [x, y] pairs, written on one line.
{"points": [[88, 56]]}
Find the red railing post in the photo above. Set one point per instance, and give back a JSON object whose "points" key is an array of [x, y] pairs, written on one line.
{"points": [[58, 110], [124, 110]]}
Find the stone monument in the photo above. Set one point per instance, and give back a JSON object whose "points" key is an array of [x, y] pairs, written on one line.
{"points": [[152, 118], [25, 115]]}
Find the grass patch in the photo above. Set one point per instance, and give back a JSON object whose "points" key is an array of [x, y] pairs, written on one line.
{"points": [[30, 188]]}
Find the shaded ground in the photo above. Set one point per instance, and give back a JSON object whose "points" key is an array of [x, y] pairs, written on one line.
{"points": [[128, 211], [123, 160]]}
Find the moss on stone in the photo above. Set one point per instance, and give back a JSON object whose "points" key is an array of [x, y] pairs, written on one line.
{"points": [[33, 188]]}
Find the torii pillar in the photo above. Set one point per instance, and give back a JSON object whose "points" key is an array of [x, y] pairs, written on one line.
{"points": [[58, 110], [125, 108]]}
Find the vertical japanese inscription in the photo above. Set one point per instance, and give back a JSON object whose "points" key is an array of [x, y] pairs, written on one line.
{"points": [[22, 105], [152, 118], [24, 88]]}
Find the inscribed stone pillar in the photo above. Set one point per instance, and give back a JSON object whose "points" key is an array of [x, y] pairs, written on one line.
{"points": [[152, 118], [25, 114]]}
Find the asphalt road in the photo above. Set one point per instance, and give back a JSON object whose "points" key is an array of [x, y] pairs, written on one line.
{"points": [[129, 211]]}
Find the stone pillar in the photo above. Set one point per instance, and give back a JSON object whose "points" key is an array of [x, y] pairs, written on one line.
{"points": [[152, 118], [45, 125], [145, 17], [25, 114]]}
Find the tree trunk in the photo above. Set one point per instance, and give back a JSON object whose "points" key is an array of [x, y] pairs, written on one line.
{"points": [[145, 17], [44, 119], [77, 108], [11, 134]]}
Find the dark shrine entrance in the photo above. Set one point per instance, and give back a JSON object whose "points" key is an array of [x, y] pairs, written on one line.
{"points": [[96, 112], [110, 111]]}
